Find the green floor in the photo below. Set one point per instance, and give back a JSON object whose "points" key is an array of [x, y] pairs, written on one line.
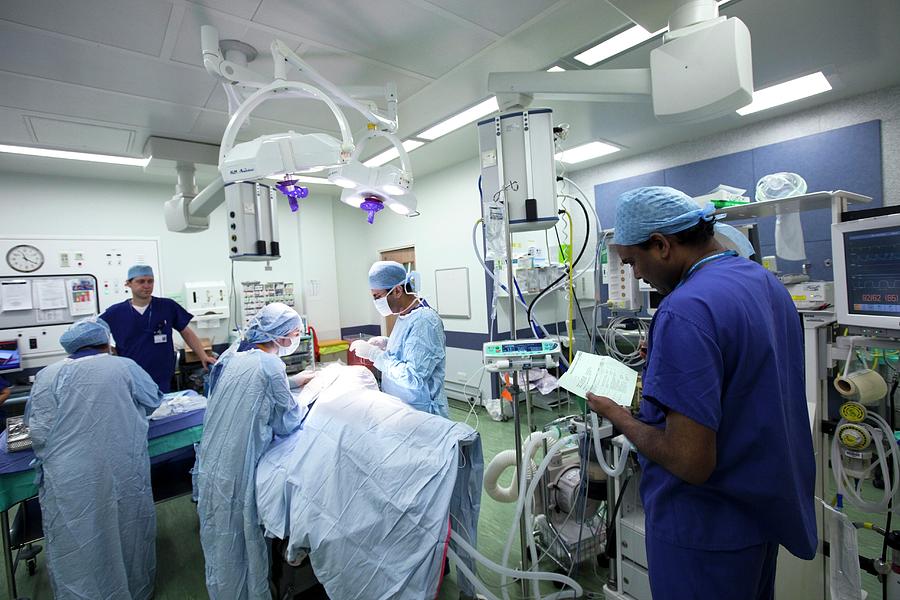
{"points": [[180, 558]]}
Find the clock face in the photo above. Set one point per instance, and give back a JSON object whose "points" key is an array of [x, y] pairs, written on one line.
{"points": [[25, 258]]}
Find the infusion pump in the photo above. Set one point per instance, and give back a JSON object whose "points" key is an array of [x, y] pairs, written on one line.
{"points": [[520, 355]]}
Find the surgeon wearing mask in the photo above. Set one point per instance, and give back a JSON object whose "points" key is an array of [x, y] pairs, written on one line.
{"points": [[250, 402], [723, 433], [87, 415], [413, 360]]}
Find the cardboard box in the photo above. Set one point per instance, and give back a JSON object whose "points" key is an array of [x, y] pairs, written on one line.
{"points": [[191, 357]]}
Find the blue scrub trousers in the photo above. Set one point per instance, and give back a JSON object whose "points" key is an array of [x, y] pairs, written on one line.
{"points": [[678, 573]]}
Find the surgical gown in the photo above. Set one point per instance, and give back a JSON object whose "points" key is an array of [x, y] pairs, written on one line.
{"points": [[412, 368], [88, 420], [250, 401]]}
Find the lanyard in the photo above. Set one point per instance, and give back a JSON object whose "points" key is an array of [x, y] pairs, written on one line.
{"points": [[702, 262]]}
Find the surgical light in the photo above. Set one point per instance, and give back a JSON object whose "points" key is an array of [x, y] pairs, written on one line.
{"points": [[789, 91], [280, 153], [461, 119], [373, 188], [289, 188], [392, 153], [69, 155], [586, 152]]}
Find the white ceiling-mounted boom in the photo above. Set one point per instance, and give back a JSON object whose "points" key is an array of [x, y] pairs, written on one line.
{"points": [[702, 70]]}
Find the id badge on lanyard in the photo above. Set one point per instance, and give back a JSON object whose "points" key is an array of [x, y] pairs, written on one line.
{"points": [[159, 336]]}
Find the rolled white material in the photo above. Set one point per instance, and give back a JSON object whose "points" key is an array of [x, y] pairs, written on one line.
{"points": [[789, 243], [866, 385]]}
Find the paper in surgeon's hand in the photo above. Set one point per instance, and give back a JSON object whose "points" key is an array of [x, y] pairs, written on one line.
{"points": [[602, 375]]}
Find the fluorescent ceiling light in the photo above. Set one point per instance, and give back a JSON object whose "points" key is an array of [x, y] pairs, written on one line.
{"points": [[789, 91], [586, 152], [621, 42], [392, 153], [85, 156], [460, 119], [555, 69], [617, 44]]}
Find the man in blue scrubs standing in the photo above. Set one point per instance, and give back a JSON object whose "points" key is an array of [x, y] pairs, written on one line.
{"points": [[142, 328], [723, 433]]}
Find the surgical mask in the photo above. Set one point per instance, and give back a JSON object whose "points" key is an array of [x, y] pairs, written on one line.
{"points": [[288, 350], [382, 306]]}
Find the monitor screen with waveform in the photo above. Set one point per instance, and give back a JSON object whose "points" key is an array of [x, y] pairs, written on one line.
{"points": [[873, 271]]}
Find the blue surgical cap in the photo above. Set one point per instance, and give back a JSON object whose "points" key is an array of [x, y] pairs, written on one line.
{"points": [[273, 321], [139, 271], [386, 275], [656, 209], [87, 332]]}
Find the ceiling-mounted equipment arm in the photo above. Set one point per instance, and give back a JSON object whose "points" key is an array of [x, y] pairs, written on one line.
{"points": [[294, 88], [222, 68], [282, 55], [619, 85], [702, 70], [405, 163]]}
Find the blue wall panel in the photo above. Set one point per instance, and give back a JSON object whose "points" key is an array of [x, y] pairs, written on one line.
{"points": [[605, 194], [701, 177], [848, 158]]}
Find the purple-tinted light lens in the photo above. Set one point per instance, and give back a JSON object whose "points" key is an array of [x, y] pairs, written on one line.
{"points": [[371, 206], [289, 188]]}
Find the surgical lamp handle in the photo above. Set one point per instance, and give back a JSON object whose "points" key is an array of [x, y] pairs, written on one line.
{"points": [[281, 53], [273, 89]]}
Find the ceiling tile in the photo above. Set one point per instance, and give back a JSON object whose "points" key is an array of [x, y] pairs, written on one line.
{"points": [[50, 57], [71, 135], [12, 127], [54, 98], [500, 16], [239, 8], [396, 32], [131, 24]]}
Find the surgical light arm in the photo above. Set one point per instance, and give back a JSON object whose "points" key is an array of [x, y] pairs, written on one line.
{"points": [[284, 55]]}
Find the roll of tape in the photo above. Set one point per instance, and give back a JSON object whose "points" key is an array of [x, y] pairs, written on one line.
{"points": [[866, 386]]}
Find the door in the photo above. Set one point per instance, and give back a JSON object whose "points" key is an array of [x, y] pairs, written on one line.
{"points": [[407, 258]]}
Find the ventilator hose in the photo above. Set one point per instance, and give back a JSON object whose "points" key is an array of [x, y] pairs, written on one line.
{"points": [[576, 591]]}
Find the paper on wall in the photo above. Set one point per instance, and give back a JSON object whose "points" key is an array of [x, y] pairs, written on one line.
{"points": [[15, 295], [602, 375], [51, 294]]}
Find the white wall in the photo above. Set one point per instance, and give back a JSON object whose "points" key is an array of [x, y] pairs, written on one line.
{"points": [[882, 104], [49, 205]]}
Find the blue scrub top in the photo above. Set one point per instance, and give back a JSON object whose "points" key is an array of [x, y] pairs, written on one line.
{"points": [[147, 339], [726, 351]]}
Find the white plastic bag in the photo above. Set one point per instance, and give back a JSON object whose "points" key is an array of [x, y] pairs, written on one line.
{"points": [[843, 561]]}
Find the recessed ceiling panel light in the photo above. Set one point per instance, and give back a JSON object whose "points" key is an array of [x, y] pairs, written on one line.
{"points": [[66, 154], [789, 91], [392, 153], [586, 152], [461, 119]]}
